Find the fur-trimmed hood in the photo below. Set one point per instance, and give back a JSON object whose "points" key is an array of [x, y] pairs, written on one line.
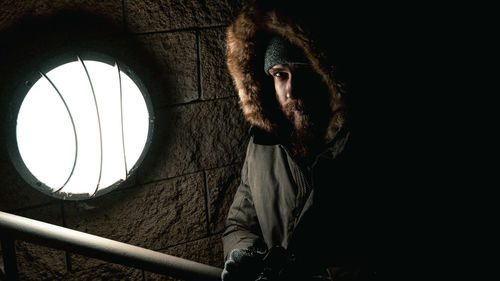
{"points": [[247, 37]]}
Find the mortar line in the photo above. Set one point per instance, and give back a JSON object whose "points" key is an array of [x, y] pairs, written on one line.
{"points": [[13, 211], [67, 254], [125, 16], [207, 206], [183, 175], [192, 28], [185, 242], [198, 63], [174, 105]]}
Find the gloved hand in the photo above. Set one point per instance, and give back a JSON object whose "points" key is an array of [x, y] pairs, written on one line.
{"points": [[243, 265], [274, 262]]}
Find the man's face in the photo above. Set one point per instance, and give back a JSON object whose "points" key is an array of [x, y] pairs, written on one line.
{"points": [[301, 95]]}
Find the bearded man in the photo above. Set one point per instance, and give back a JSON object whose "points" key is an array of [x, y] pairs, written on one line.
{"points": [[301, 211]]}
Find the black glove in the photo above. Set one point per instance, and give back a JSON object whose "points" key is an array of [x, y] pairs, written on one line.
{"points": [[275, 261], [243, 265]]}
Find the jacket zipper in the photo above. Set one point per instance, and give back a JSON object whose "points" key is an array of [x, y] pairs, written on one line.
{"points": [[305, 185]]}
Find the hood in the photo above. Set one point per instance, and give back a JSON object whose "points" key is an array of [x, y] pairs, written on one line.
{"points": [[247, 38]]}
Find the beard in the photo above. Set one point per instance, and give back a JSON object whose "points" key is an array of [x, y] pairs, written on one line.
{"points": [[308, 127]]}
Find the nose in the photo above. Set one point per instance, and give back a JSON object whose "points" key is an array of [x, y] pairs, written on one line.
{"points": [[291, 87], [289, 91], [294, 87]]}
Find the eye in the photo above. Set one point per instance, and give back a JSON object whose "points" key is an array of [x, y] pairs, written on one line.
{"points": [[280, 75]]}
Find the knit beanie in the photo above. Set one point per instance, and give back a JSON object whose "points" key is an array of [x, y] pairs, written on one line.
{"points": [[281, 51]]}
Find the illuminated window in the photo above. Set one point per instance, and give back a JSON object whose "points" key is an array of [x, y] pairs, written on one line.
{"points": [[82, 127]]}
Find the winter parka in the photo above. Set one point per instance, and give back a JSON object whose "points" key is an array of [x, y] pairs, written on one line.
{"points": [[319, 211]]}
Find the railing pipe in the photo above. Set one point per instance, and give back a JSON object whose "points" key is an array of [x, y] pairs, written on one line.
{"points": [[21, 228]]}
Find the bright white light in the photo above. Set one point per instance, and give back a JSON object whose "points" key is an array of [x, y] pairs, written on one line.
{"points": [[46, 138]]}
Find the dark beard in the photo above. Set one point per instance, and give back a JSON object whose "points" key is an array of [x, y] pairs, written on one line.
{"points": [[307, 129]]}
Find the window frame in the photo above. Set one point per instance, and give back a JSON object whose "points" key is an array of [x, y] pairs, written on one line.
{"points": [[22, 85]]}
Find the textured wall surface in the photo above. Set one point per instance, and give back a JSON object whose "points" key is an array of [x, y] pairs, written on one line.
{"points": [[180, 196]]}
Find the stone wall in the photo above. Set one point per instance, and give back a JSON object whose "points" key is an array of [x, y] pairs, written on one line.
{"points": [[179, 197]]}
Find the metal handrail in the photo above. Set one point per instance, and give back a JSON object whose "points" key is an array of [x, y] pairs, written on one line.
{"points": [[13, 227]]}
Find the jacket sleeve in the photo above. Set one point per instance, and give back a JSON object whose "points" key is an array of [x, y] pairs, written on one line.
{"points": [[242, 226]]}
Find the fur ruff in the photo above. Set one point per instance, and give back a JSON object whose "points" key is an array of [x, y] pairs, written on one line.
{"points": [[246, 43]]}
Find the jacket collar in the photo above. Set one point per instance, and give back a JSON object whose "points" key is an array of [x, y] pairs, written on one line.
{"points": [[332, 148], [263, 137]]}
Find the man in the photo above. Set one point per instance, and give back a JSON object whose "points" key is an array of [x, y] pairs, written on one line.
{"points": [[301, 211]]}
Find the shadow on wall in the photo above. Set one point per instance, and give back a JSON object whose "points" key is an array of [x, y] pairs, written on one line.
{"points": [[43, 43]]}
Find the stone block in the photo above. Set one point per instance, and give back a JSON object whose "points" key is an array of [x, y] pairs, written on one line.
{"points": [[49, 213], [221, 185], [194, 137], [177, 61], [14, 11], [110, 9], [158, 15], [37, 262], [207, 251], [215, 79], [106, 271], [153, 216]]}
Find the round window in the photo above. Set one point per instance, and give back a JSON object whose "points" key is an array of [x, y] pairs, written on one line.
{"points": [[82, 128]]}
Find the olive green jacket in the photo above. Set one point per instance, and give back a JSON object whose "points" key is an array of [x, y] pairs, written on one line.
{"points": [[321, 212], [308, 210]]}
